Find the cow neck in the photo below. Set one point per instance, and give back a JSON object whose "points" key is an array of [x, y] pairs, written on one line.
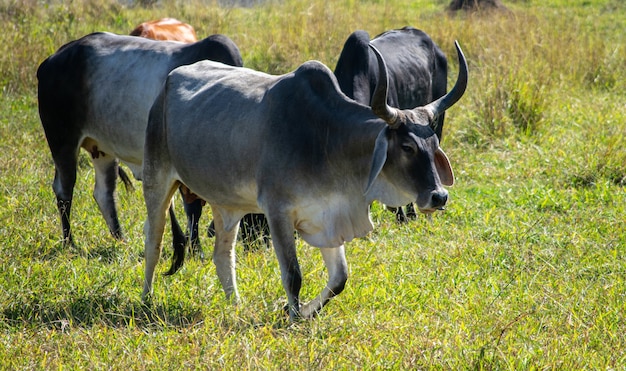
{"points": [[358, 131]]}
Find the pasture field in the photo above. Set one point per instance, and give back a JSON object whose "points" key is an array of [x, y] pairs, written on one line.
{"points": [[525, 270]]}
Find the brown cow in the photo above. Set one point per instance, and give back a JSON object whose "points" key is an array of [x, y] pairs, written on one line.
{"points": [[166, 29]]}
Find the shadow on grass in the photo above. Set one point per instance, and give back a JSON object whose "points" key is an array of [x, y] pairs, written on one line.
{"points": [[97, 309], [111, 309], [109, 253]]}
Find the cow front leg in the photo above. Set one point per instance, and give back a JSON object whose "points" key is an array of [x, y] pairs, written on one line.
{"points": [[335, 261], [224, 256], [399, 213], [291, 277], [106, 169], [410, 211]]}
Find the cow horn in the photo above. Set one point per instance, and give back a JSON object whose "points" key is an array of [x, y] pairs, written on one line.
{"points": [[440, 105], [379, 99]]}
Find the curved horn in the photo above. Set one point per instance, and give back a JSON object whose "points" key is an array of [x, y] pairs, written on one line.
{"points": [[440, 105], [379, 99]]}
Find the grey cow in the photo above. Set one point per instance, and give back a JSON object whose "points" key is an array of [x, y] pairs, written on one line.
{"points": [[96, 93], [296, 149]]}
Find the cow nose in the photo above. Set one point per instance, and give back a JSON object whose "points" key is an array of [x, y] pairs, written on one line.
{"points": [[439, 199]]}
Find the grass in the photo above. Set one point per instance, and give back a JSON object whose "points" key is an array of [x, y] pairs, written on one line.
{"points": [[524, 270]]}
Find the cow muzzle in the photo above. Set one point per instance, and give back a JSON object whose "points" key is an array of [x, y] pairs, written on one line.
{"points": [[436, 201]]}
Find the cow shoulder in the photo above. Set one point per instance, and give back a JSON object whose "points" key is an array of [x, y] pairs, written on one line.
{"points": [[304, 99], [316, 79]]}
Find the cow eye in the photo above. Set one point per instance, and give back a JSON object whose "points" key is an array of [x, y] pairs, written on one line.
{"points": [[409, 148]]}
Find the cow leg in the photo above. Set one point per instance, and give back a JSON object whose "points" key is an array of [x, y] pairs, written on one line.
{"points": [[249, 234], [410, 211], [264, 229], [210, 232], [285, 249], [335, 261], [399, 212], [106, 169], [224, 256], [254, 230], [63, 186], [157, 198]]}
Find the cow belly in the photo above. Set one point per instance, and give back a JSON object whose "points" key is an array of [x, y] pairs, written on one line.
{"points": [[130, 156], [331, 221]]}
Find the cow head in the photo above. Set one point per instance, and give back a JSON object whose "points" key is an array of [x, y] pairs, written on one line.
{"points": [[408, 147]]}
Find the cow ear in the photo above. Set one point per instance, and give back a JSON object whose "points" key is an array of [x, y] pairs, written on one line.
{"points": [[379, 157], [442, 164]]}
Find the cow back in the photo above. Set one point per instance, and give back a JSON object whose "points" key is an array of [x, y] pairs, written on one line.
{"points": [[166, 29], [102, 86]]}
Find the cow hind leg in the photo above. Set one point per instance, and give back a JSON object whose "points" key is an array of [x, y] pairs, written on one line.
{"points": [[106, 169], [63, 187], [157, 197], [335, 261], [224, 256]]}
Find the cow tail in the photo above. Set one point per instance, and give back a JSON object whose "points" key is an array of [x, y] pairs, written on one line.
{"points": [[179, 244], [128, 184]]}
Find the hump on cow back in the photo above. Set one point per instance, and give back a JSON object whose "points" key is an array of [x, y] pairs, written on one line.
{"points": [[316, 76]]}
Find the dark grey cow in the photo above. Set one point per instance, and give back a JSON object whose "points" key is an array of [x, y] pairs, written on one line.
{"points": [[418, 73], [96, 93], [417, 68], [296, 149]]}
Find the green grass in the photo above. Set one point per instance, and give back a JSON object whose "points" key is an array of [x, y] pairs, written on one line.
{"points": [[526, 269]]}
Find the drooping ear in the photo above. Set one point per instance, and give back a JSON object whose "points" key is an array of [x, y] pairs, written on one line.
{"points": [[379, 157], [442, 164]]}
